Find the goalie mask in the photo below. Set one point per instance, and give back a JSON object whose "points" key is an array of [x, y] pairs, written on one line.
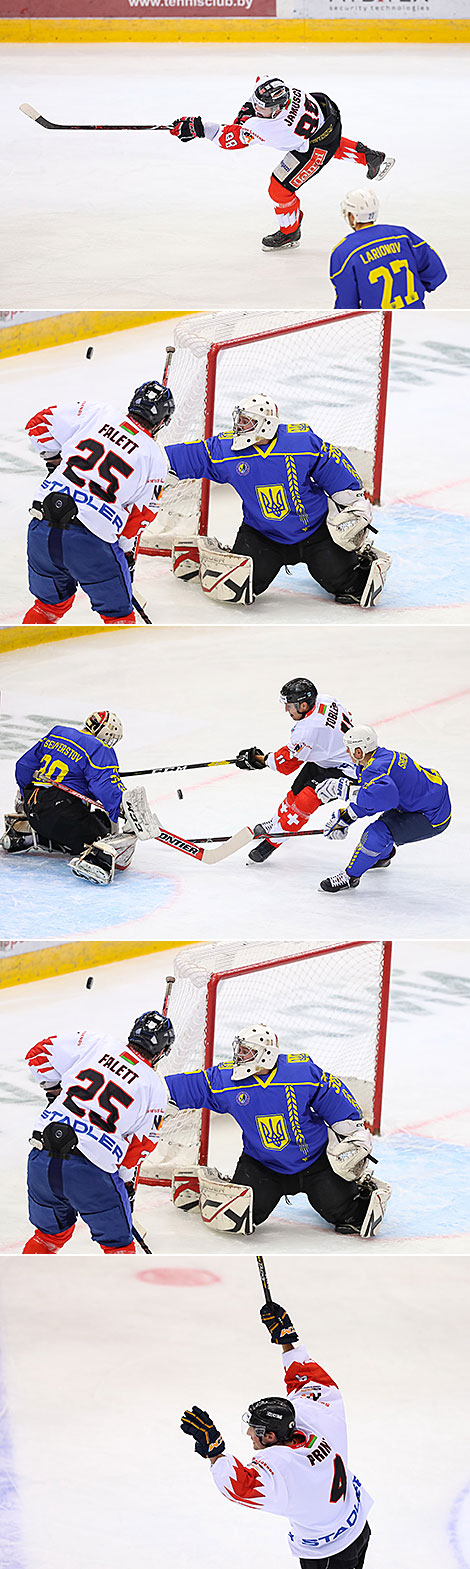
{"points": [[105, 726], [152, 406], [153, 1036], [269, 97], [271, 1415], [255, 1050], [255, 419], [364, 206], [363, 738]]}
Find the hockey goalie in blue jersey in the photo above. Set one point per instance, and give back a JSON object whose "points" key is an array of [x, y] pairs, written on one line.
{"points": [[381, 266], [303, 501], [303, 1132], [70, 798], [413, 802]]}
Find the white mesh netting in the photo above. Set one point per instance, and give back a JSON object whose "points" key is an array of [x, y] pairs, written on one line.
{"points": [[325, 1003], [328, 374]]}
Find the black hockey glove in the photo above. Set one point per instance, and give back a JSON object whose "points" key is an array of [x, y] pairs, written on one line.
{"points": [[53, 462], [250, 757], [199, 1425], [278, 1323], [245, 113], [130, 1190], [187, 128], [51, 1092]]}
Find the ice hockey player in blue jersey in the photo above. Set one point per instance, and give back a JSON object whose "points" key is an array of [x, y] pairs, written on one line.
{"points": [[303, 1132], [381, 266], [71, 798], [413, 802], [302, 500]]}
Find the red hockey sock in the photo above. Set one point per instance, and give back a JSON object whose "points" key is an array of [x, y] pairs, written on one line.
{"points": [[286, 207], [129, 1249], [348, 149], [119, 621], [295, 810], [41, 614], [42, 1242]]}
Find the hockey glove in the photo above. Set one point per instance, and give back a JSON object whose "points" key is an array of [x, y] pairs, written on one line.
{"points": [[232, 137], [187, 128], [53, 462], [52, 1093], [130, 1190], [199, 1425], [336, 790], [338, 825], [278, 1323], [250, 757]]}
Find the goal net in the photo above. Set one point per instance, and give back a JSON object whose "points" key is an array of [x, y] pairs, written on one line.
{"points": [[329, 371], [328, 1001]]}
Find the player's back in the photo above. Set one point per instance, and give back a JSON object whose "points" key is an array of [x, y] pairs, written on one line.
{"points": [[419, 789], [319, 736], [106, 1089], [383, 260], [106, 460]]}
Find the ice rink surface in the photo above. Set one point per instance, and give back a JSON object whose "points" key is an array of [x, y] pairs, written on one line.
{"points": [[423, 519], [98, 1367], [139, 219], [423, 1149], [188, 695]]}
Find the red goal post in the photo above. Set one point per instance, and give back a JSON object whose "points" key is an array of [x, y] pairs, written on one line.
{"points": [[330, 1000], [331, 370]]}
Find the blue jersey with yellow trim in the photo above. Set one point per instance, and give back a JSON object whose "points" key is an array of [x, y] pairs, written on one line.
{"points": [[283, 1115], [69, 757], [392, 779], [384, 267], [284, 486]]}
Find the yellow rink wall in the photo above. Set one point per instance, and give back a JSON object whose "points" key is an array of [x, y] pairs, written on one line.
{"points": [[64, 958], [26, 637], [138, 30], [50, 331]]}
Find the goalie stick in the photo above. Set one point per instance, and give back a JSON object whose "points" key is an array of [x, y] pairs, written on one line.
{"points": [[51, 125], [214, 851]]}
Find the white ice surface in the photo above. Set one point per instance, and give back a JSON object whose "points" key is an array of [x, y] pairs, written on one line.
{"points": [[423, 1150], [187, 695], [100, 1362], [128, 220], [423, 520]]}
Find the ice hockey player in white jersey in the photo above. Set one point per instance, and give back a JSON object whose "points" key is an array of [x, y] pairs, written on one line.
{"points": [[105, 473], [105, 1105], [306, 127], [300, 1463], [317, 742]]}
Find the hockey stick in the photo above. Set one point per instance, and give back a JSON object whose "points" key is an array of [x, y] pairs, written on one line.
{"points": [[308, 833], [170, 981], [137, 1238], [215, 850], [174, 768], [263, 1277], [50, 125], [169, 355], [141, 612]]}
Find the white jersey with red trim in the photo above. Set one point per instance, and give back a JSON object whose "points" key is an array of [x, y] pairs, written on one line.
{"points": [[292, 129], [317, 738], [112, 1098], [308, 1482], [111, 467]]}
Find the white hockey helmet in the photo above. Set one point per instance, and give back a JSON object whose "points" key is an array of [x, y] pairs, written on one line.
{"points": [[105, 726], [364, 206], [264, 1047], [263, 416], [361, 738]]}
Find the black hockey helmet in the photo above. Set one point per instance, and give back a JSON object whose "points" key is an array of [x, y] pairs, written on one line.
{"points": [[152, 405], [271, 94], [272, 1415], [300, 690], [153, 1035]]}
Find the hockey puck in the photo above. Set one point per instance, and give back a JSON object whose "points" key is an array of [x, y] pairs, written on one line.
{"points": [[89, 353], [89, 983], [180, 795]]}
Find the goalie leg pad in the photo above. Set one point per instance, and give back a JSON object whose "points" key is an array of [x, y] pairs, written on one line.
{"points": [[124, 844], [185, 1189], [380, 563], [96, 862], [380, 1193], [224, 1205], [225, 575], [185, 560]]}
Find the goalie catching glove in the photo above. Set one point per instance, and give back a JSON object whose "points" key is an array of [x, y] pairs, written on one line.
{"points": [[137, 814], [208, 1442], [278, 1324], [351, 520], [348, 1149]]}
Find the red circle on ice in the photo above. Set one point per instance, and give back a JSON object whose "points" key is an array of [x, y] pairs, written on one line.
{"points": [[178, 1277]]}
